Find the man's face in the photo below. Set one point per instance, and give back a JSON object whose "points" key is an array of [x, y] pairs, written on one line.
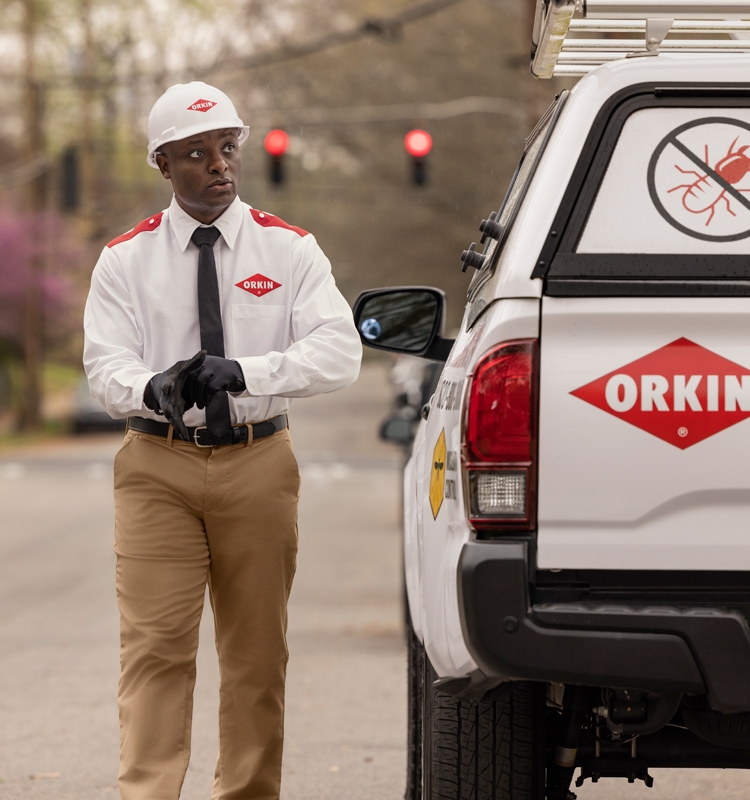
{"points": [[205, 171]]}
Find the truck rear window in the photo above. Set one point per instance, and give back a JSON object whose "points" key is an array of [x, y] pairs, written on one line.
{"points": [[660, 201], [678, 182]]}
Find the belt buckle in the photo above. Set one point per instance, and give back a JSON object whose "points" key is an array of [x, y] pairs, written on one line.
{"points": [[195, 436]]}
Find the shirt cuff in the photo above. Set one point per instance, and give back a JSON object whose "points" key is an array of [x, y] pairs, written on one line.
{"points": [[257, 374], [139, 389]]}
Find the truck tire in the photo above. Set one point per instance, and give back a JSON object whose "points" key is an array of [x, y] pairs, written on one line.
{"points": [[414, 730], [492, 750]]}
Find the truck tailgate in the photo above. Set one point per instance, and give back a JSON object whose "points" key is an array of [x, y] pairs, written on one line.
{"points": [[644, 447]]}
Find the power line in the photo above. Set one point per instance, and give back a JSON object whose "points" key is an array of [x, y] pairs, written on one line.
{"points": [[22, 172], [386, 113], [388, 25]]}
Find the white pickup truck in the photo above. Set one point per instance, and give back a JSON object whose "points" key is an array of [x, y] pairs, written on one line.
{"points": [[577, 502]]}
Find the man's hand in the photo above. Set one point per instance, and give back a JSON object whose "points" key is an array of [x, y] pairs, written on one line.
{"points": [[166, 392], [216, 375]]}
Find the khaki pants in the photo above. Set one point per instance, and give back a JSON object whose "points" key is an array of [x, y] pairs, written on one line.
{"points": [[187, 516]]}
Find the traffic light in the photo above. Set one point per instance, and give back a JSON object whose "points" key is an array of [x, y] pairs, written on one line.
{"points": [[418, 144], [276, 143], [70, 183]]}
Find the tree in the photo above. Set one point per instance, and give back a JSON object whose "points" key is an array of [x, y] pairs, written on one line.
{"points": [[24, 239], [346, 79]]}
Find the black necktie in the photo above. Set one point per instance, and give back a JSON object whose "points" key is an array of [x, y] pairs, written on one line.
{"points": [[218, 418]]}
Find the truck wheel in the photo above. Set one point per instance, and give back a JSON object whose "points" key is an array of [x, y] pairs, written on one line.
{"points": [[492, 750]]}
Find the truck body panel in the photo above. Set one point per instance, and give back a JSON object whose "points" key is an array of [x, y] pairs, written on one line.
{"points": [[613, 495], [442, 526]]}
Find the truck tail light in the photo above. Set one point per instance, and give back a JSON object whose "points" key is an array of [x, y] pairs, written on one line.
{"points": [[499, 454]]}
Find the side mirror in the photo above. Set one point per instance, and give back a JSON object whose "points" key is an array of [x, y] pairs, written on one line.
{"points": [[398, 430], [406, 319]]}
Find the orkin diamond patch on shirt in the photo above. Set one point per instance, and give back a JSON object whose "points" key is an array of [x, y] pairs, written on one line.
{"points": [[681, 393], [258, 285], [201, 105]]}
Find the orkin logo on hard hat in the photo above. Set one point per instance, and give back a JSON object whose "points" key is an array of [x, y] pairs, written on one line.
{"points": [[173, 116], [202, 105], [681, 393]]}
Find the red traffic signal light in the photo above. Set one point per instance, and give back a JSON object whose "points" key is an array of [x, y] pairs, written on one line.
{"points": [[418, 143], [276, 143]]}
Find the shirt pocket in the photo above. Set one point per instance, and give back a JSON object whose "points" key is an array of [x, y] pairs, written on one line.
{"points": [[258, 329]]}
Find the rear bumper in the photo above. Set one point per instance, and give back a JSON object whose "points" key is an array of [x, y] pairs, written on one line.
{"points": [[661, 648]]}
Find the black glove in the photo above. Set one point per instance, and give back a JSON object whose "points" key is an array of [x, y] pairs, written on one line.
{"points": [[165, 393], [216, 375]]}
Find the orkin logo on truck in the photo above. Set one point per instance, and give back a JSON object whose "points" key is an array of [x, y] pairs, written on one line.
{"points": [[681, 393]]}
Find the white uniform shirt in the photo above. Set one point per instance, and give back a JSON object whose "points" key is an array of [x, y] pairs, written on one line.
{"points": [[285, 321]]}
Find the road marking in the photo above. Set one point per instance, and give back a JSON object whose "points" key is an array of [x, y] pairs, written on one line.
{"points": [[12, 471]]}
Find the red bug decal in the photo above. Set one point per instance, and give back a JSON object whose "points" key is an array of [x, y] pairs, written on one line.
{"points": [[705, 193]]}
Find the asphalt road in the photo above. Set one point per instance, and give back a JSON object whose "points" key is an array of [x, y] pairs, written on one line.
{"points": [[346, 687], [345, 722]]}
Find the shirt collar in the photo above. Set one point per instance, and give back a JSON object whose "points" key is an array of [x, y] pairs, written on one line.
{"points": [[183, 224]]}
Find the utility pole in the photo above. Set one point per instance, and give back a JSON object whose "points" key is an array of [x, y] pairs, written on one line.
{"points": [[36, 197]]}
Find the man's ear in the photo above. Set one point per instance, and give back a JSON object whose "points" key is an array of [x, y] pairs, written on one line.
{"points": [[163, 163]]}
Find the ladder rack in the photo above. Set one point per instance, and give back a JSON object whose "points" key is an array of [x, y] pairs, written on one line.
{"points": [[564, 45]]}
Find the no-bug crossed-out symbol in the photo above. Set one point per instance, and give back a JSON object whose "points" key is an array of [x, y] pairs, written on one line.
{"points": [[699, 179]]}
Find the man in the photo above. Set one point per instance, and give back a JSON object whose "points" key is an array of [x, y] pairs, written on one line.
{"points": [[214, 502]]}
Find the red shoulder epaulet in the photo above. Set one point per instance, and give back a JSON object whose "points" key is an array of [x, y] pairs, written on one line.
{"points": [[150, 224], [270, 221]]}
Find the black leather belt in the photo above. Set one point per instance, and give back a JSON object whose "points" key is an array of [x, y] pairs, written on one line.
{"points": [[237, 434]]}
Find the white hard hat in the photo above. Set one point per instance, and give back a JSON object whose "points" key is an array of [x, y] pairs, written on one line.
{"points": [[186, 109]]}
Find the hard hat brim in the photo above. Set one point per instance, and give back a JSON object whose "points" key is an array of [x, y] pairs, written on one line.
{"points": [[200, 127]]}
